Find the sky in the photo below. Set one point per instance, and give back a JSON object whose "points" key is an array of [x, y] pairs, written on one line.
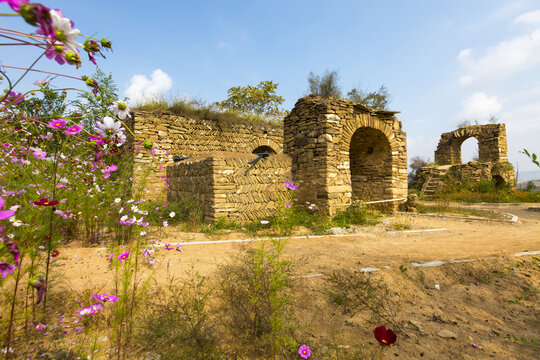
{"points": [[444, 62]]}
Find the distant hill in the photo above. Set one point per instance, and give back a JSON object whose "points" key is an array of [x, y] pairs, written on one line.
{"points": [[529, 175]]}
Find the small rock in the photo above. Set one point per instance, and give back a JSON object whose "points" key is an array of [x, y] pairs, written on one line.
{"points": [[151, 356], [447, 334]]}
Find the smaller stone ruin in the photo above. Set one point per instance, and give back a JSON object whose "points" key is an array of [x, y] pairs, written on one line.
{"points": [[492, 161]]}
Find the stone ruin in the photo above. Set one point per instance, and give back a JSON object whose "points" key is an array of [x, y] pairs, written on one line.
{"points": [[492, 161], [339, 150]]}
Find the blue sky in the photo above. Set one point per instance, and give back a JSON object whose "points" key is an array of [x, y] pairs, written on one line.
{"points": [[443, 61]]}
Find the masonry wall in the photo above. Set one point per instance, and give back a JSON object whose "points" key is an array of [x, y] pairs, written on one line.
{"points": [[177, 135], [345, 151], [228, 186]]}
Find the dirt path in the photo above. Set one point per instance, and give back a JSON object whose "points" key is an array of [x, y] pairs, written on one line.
{"points": [[481, 302]]}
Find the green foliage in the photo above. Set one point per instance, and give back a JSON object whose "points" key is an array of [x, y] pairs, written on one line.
{"points": [[254, 293], [94, 107], [326, 85], [260, 100], [186, 211], [182, 326], [532, 156], [51, 105], [356, 214], [378, 99]]}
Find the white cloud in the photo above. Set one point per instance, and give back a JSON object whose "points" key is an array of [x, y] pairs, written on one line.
{"points": [[502, 60], [531, 17], [479, 106], [141, 88]]}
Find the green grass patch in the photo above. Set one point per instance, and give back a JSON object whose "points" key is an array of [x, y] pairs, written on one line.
{"points": [[200, 110], [483, 191]]}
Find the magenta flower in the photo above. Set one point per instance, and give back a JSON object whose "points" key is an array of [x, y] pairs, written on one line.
{"points": [[73, 129], [41, 327], [5, 214], [179, 247], [6, 268], [57, 52], [123, 256], [38, 15], [304, 351], [106, 297], [290, 185], [56, 123], [288, 206], [45, 202], [168, 247]]}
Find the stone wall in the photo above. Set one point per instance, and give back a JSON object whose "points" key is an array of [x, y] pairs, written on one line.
{"points": [[492, 145], [228, 186], [345, 151], [177, 135]]}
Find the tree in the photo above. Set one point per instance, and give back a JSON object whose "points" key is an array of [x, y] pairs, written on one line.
{"points": [[94, 107], [326, 85], [378, 99], [260, 100], [415, 164]]}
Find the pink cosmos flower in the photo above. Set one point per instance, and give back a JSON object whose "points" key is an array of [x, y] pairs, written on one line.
{"points": [[106, 297], [97, 308], [39, 154], [290, 185], [13, 98], [304, 351], [41, 327], [123, 256], [73, 129], [56, 123], [5, 214], [42, 82], [179, 247], [12, 248], [6, 268], [87, 310], [168, 247]]}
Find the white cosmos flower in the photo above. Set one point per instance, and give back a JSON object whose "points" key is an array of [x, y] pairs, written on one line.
{"points": [[65, 32], [117, 200], [109, 128], [172, 214], [264, 222], [121, 109]]}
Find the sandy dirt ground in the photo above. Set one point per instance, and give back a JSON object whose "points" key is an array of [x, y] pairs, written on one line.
{"points": [[487, 300]]}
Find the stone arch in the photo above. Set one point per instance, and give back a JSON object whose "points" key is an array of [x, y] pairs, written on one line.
{"points": [[370, 160], [458, 145], [491, 138], [267, 144]]}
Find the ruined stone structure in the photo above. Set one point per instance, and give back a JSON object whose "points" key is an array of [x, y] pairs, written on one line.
{"points": [[177, 135], [492, 158], [492, 146], [225, 184], [341, 151], [345, 151]]}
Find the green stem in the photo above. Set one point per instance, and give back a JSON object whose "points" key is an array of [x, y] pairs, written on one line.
{"points": [[380, 356], [10, 328]]}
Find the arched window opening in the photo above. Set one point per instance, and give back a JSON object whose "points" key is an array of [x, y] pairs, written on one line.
{"points": [[469, 150], [262, 149]]}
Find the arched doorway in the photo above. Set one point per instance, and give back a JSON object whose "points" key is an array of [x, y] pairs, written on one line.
{"points": [[370, 160]]}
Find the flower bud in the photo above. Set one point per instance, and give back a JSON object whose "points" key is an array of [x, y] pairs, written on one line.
{"points": [[73, 59], [106, 43]]}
